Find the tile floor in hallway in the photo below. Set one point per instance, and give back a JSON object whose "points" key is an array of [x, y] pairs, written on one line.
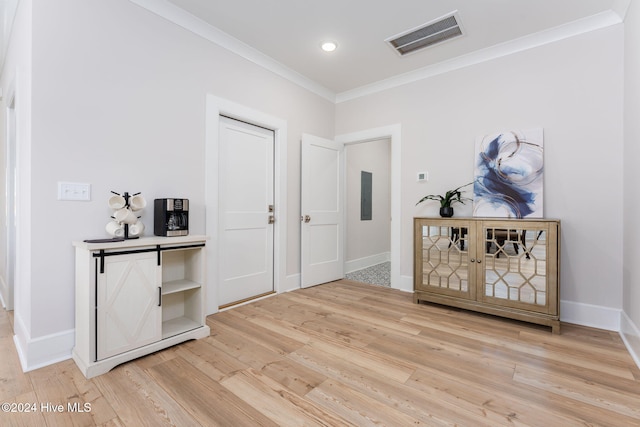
{"points": [[379, 274]]}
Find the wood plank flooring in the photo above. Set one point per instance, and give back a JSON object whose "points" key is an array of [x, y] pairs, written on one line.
{"points": [[341, 354]]}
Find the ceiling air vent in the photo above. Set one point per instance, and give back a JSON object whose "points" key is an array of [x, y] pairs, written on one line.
{"points": [[434, 32]]}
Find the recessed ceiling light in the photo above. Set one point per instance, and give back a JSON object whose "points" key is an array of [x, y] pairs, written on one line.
{"points": [[329, 46]]}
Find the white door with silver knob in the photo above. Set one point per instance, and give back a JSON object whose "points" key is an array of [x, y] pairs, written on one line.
{"points": [[246, 211], [322, 211]]}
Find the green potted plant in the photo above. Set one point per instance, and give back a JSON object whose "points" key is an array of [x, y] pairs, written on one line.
{"points": [[448, 199]]}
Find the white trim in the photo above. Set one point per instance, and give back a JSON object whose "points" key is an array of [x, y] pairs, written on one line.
{"points": [[394, 132], [179, 16], [580, 26], [595, 316], [406, 283], [3, 288], [42, 351], [7, 289], [215, 107], [630, 334], [249, 301], [184, 19], [366, 262], [293, 282]]}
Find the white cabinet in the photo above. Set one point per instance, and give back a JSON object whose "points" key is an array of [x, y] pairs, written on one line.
{"points": [[137, 297]]}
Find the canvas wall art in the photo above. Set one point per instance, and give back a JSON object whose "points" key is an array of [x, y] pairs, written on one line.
{"points": [[508, 175]]}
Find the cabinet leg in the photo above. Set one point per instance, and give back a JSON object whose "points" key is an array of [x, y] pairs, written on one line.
{"points": [[555, 328]]}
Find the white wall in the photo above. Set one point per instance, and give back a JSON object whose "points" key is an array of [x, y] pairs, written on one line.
{"points": [[117, 99], [571, 88], [119, 102], [372, 237], [7, 15], [631, 202]]}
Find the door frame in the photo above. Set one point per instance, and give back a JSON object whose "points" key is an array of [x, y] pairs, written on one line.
{"points": [[7, 293], [394, 133], [215, 107]]}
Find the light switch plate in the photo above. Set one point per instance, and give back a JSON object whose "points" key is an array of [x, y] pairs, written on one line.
{"points": [[74, 191], [423, 176]]}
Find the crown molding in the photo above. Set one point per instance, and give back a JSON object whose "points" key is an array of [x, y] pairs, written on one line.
{"points": [[571, 29], [184, 19]]}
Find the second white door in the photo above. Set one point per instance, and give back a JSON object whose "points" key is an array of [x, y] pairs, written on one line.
{"points": [[322, 210], [246, 211]]}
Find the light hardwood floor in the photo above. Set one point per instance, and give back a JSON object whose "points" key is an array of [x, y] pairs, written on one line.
{"points": [[345, 353]]}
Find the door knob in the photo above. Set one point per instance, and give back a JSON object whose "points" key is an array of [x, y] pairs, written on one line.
{"points": [[306, 218], [272, 219]]}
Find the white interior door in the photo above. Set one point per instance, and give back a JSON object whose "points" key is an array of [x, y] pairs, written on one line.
{"points": [[322, 210], [246, 211]]}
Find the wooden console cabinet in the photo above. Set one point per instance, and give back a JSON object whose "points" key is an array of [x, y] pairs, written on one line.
{"points": [[507, 267], [136, 297]]}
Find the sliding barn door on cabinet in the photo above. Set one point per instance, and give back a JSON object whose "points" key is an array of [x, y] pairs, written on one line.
{"points": [[129, 296]]}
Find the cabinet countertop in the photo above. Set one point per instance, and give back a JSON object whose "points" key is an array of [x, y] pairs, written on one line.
{"points": [[476, 218], [142, 241]]}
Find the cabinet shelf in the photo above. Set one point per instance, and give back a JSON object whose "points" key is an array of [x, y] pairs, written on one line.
{"points": [[178, 286], [177, 326]]}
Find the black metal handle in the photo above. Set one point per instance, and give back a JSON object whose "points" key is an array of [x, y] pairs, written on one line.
{"points": [[102, 254], [159, 296]]}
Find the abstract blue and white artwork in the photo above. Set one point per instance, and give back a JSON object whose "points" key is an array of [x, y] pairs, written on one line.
{"points": [[508, 175]]}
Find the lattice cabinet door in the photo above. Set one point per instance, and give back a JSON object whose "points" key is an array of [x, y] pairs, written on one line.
{"points": [[518, 267], [444, 257]]}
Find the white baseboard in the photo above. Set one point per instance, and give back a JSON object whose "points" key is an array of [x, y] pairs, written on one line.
{"points": [[3, 286], [369, 261], [42, 351], [594, 316], [5, 297], [406, 283], [630, 334], [291, 283]]}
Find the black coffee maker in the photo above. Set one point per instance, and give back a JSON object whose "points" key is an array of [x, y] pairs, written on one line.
{"points": [[171, 217]]}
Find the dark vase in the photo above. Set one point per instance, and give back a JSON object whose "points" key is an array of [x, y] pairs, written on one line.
{"points": [[446, 212]]}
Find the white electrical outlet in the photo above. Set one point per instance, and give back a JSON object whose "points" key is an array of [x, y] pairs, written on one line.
{"points": [[423, 176], [74, 191]]}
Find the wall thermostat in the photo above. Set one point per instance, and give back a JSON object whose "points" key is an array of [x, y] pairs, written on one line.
{"points": [[423, 176]]}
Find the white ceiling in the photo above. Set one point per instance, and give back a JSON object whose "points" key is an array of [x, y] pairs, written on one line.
{"points": [[290, 31], [285, 35]]}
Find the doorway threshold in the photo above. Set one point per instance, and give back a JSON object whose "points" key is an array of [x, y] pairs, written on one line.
{"points": [[246, 300]]}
